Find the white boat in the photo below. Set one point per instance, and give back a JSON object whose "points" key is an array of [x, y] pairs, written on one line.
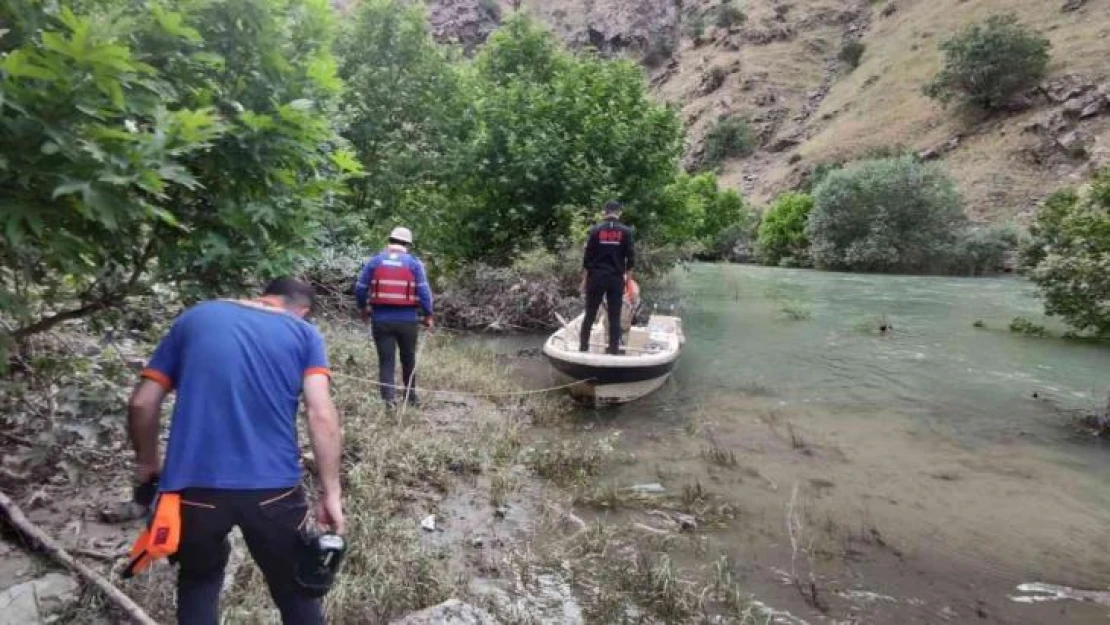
{"points": [[650, 355]]}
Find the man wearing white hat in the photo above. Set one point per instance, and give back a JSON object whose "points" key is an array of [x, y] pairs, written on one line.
{"points": [[393, 290]]}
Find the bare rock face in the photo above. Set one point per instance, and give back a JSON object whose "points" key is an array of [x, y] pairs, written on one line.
{"points": [[621, 25], [1060, 90], [940, 149], [465, 22]]}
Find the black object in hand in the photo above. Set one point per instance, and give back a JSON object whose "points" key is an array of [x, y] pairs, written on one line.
{"points": [[318, 563], [144, 493]]}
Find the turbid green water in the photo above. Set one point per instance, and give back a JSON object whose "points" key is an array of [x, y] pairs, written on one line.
{"points": [[814, 338], [935, 463]]}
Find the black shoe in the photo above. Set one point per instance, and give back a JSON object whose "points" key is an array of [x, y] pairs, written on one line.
{"points": [[615, 352]]}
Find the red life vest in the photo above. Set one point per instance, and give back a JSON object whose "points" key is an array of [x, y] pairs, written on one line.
{"points": [[393, 284]]}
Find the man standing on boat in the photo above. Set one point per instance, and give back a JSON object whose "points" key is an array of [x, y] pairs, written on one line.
{"points": [[606, 266], [391, 290]]}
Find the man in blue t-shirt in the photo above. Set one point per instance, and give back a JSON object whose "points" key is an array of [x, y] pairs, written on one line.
{"points": [[391, 289], [239, 369]]}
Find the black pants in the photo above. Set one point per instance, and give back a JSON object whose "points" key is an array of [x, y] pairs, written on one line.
{"points": [[612, 289], [271, 522], [389, 337]]}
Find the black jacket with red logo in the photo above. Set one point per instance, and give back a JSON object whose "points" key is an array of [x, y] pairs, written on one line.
{"points": [[609, 250]]}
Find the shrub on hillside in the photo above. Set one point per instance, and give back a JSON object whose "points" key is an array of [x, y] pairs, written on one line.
{"points": [[851, 52], [782, 233], [695, 27], [886, 215], [989, 63], [660, 48], [1068, 256], [730, 137], [728, 14]]}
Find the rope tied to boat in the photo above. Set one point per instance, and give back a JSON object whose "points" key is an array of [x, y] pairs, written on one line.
{"points": [[423, 390]]}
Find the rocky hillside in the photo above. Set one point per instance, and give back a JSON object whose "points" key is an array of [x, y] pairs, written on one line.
{"points": [[778, 66]]}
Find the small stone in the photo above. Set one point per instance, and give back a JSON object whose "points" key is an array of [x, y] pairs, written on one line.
{"points": [[429, 523], [653, 488], [450, 612], [477, 542], [500, 512], [1075, 143], [687, 522]]}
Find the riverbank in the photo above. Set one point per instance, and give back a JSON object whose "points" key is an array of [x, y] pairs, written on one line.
{"points": [[488, 466]]}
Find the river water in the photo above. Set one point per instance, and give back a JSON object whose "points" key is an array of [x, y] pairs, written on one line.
{"points": [[933, 467]]}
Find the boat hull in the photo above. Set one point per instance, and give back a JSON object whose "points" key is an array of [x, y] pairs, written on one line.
{"points": [[614, 393]]}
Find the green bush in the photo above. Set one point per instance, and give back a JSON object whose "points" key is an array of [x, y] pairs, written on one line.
{"points": [[695, 26], [888, 215], [1068, 256], [851, 52], [982, 250], [176, 142], [730, 137], [989, 63], [1021, 325], [782, 232], [728, 14]]}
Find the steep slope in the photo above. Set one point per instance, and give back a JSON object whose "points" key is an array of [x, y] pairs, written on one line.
{"points": [[779, 69]]}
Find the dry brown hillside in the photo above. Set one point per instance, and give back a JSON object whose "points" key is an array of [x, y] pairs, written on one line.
{"points": [[780, 71]]}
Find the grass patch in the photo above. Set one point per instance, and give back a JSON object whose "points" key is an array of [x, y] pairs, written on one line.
{"points": [[569, 462], [795, 311], [720, 456]]}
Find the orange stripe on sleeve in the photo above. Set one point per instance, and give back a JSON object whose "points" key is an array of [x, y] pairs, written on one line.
{"points": [[160, 378], [317, 371]]}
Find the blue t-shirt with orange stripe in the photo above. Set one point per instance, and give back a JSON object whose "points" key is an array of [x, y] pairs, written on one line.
{"points": [[238, 371]]}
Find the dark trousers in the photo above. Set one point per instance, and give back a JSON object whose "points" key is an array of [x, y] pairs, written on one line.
{"points": [[389, 338], [612, 289], [271, 522]]}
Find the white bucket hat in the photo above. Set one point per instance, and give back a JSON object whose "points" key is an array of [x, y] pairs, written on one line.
{"points": [[404, 235]]}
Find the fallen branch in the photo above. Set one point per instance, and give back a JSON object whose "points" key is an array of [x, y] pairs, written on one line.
{"points": [[22, 524]]}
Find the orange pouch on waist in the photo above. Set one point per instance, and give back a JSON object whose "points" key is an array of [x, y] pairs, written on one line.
{"points": [[161, 538]]}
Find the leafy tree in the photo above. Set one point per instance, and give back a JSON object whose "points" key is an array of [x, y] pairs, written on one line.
{"points": [[893, 214], [1068, 256], [991, 62], [403, 111], [782, 232], [177, 141], [729, 137], [557, 134], [701, 212]]}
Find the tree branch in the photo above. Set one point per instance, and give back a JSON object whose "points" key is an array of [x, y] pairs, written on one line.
{"points": [[28, 529], [106, 301]]}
